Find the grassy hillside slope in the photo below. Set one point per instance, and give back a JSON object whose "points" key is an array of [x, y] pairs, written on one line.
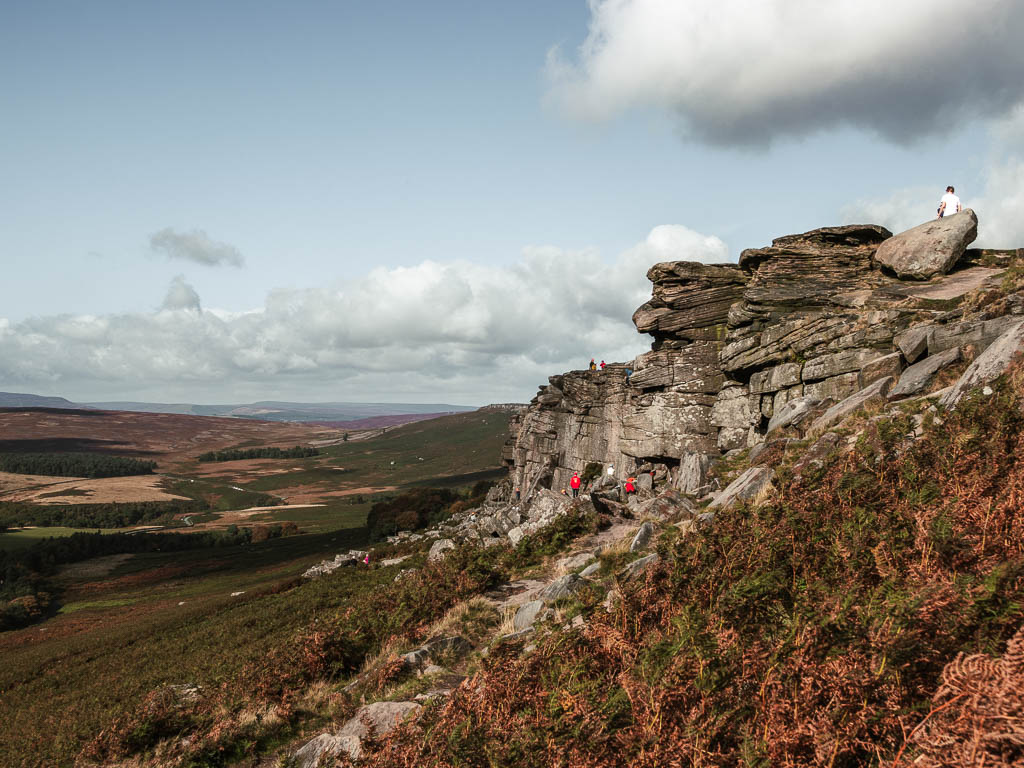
{"points": [[130, 625]]}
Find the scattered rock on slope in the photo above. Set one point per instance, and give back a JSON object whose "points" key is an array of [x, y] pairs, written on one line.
{"points": [[917, 377], [379, 719], [989, 365], [744, 487], [439, 547]]}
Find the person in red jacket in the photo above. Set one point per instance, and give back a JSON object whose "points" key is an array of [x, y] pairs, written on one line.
{"points": [[575, 484], [602, 365], [631, 486]]}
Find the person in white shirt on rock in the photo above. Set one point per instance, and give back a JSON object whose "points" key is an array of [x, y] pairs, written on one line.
{"points": [[949, 204]]}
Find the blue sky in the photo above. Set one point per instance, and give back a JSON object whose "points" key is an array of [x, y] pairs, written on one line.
{"points": [[453, 200]]}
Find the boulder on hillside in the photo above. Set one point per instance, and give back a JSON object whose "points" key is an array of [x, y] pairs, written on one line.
{"points": [[666, 504], [914, 380], [744, 488], [527, 614], [377, 719], [873, 393], [643, 538], [638, 568], [792, 413], [546, 505], [989, 364], [931, 248], [319, 751], [438, 549], [560, 588], [913, 342], [693, 473]]}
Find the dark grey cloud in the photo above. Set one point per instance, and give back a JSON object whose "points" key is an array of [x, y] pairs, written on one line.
{"points": [[737, 72], [195, 246]]}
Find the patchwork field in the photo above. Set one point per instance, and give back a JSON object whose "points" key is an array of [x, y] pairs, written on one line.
{"points": [[41, 489], [319, 493]]}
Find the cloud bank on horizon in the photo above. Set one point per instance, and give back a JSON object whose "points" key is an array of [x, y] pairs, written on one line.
{"points": [[740, 73], [453, 330]]}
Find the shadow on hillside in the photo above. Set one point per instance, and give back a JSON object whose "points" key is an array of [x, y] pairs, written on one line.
{"points": [[71, 444]]}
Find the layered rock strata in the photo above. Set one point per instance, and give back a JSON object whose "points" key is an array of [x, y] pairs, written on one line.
{"points": [[811, 320], [656, 411]]}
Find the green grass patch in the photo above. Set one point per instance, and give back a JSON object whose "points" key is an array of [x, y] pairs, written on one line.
{"points": [[96, 604]]}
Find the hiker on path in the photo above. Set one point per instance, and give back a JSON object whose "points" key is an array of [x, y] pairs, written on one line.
{"points": [[949, 204], [593, 365], [602, 365], [575, 484]]}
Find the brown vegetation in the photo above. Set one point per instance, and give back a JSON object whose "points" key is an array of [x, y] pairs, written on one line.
{"points": [[167, 438], [811, 631], [103, 490]]}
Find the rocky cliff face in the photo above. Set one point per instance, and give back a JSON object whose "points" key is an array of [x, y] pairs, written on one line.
{"points": [[814, 317]]}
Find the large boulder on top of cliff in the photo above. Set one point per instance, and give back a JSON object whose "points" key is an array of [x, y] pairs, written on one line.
{"points": [[931, 248], [689, 299]]}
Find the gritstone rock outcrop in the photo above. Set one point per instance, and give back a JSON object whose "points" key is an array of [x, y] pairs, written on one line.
{"points": [[774, 342]]}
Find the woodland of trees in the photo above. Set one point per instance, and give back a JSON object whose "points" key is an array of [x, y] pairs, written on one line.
{"points": [[234, 454], [16, 514], [74, 465]]}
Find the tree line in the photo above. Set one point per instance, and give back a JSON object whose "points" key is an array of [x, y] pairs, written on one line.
{"points": [[234, 454], [74, 465], [113, 515]]}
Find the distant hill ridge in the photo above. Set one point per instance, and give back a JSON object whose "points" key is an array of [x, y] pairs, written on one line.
{"points": [[268, 410], [23, 400]]}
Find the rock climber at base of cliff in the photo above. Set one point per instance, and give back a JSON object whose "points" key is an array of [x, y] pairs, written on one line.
{"points": [[630, 486], [575, 484], [949, 204], [593, 365]]}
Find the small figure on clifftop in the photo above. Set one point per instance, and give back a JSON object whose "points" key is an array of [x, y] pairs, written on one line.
{"points": [[593, 365], [949, 204], [575, 484], [602, 365]]}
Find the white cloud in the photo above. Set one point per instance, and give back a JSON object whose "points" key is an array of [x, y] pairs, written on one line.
{"points": [[195, 246], [742, 72], [432, 331]]}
